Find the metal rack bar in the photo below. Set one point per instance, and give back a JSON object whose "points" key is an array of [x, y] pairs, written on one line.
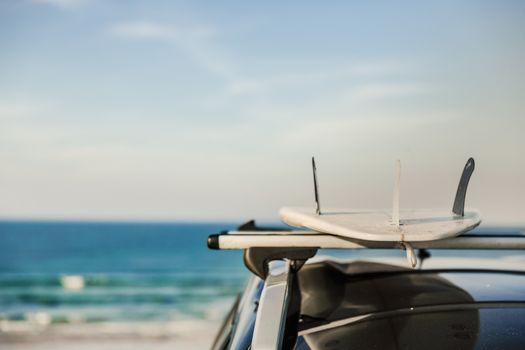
{"points": [[298, 239], [271, 315]]}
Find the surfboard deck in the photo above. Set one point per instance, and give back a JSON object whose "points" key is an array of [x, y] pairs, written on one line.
{"points": [[415, 225]]}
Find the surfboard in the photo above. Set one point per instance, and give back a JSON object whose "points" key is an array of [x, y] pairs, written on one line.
{"points": [[383, 225], [414, 225]]}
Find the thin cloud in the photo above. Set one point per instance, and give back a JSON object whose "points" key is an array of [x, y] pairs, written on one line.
{"points": [[14, 110], [154, 30], [378, 68], [19, 108], [63, 4], [143, 30], [345, 72], [194, 41], [201, 44], [387, 90]]}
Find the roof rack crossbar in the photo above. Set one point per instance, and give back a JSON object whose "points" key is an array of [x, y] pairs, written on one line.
{"points": [[312, 239]]}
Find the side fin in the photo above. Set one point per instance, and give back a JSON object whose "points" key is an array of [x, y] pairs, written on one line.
{"points": [[459, 201], [316, 190]]}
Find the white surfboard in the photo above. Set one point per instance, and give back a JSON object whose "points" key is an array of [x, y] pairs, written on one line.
{"points": [[382, 225], [414, 225]]}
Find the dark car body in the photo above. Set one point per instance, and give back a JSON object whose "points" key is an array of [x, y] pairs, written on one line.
{"points": [[341, 304]]}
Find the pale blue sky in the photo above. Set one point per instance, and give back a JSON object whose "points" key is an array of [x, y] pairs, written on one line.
{"points": [[166, 110]]}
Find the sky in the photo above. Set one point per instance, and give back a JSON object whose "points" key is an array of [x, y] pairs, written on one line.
{"points": [[211, 111]]}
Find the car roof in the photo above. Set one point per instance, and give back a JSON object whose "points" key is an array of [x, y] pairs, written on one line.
{"points": [[363, 304], [476, 328]]}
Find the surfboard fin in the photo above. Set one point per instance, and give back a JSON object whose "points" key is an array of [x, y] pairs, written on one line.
{"points": [[459, 201], [316, 189], [395, 203]]}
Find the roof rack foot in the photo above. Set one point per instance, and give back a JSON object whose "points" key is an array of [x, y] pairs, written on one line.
{"points": [[256, 259]]}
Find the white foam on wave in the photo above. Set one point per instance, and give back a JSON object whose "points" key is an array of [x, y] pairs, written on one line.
{"points": [[73, 282]]}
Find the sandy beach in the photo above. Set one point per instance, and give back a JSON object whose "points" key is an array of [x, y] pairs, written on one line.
{"points": [[171, 335]]}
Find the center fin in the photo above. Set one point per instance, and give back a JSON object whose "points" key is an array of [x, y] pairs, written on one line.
{"points": [[395, 202]]}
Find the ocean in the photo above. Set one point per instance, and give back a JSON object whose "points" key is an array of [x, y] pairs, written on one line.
{"points": [[113, 278]]}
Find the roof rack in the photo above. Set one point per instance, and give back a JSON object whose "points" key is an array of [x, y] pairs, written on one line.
{"points": [[314, 239], [275, 255], [262, 246]]}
